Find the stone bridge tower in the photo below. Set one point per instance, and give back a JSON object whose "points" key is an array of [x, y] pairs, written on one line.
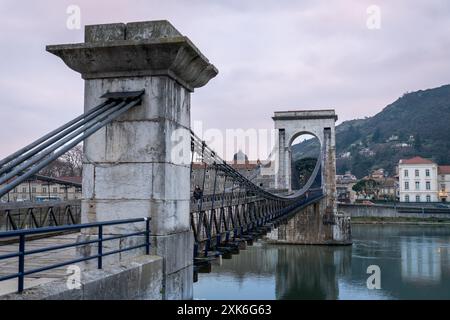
{"points": [[128, 169], [326, 226]]}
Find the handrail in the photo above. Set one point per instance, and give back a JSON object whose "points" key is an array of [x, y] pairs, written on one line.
{"points": [[27, 215], [22, 253]]}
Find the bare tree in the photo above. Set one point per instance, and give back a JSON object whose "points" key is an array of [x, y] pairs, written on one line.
{"points": [[69, 164], [73, 160]]}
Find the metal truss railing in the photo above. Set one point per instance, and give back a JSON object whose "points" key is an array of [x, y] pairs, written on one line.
{"points": [[28, 215], [236, 207]]}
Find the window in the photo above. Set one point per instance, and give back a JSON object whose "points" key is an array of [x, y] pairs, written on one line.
{"points": [[428, 184], [428, 198], [406, 198], [406, 173], [33, 189], [417, 185], [417, 198], [44, 189], [427, 172], [55, 190], [417, 172], [442, 187], [406, 185], [24, 189]]}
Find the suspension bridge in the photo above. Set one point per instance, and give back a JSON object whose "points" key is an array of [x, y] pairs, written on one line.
{"points": [[139, 231]]}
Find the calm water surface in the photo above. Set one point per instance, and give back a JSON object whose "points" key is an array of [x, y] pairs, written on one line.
{"points": [[414, 263]]}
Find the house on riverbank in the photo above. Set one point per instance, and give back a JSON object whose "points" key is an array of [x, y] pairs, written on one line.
{"points": [[422, 180]]}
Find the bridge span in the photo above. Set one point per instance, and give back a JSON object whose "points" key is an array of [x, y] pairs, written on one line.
{"points": [[141, 233]]}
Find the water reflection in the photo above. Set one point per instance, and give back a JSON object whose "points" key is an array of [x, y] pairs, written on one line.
{"points": [[296, 279], [414, 263], [421, 260]]}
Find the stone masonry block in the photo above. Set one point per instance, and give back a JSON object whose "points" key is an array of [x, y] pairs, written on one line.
{"points": [[88, 181], [95, 147], [179, 285], [164, 98], [104, 32], [169, 216], [151, 30], [136, 141], [177, 250], [138, 278], [171, 182], [130, 181], [104, 210]]}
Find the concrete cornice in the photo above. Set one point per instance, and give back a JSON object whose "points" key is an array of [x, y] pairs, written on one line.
{"points": [[305, 115], [108, 53]]}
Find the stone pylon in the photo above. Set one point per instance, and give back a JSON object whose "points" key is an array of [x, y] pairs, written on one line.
{"points": [[129, 169], [319, 223]]}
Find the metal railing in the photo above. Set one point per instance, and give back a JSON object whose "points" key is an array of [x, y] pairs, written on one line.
{"points": [[233, 220], [236, 206], [28, 215], [22, 253]]}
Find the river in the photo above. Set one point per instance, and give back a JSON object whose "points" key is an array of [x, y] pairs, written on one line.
{"points": [[413, 260]]}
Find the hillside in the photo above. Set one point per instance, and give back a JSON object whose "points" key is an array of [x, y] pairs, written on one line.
{"points": [[418, 123]]}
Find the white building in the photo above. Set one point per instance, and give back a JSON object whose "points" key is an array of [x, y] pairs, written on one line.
{"points": [[37, 190], [422, 180]]}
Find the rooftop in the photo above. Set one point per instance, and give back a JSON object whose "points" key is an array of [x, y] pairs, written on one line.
{"points": [[416, 160], [74, 179], [444, 169]]}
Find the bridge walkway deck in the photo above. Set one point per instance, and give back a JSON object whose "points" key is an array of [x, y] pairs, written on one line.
{"points": [[37, 260]]}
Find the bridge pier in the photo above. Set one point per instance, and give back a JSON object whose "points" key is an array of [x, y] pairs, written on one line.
{"points": [[130, 169], [308, 225]]}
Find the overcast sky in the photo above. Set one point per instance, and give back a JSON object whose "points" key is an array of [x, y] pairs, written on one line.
{"points": [[271, 55]]}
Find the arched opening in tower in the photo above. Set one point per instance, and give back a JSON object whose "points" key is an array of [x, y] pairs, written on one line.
{"points": [[305, 152]]}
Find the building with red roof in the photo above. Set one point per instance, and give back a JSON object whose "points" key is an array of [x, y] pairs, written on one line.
{"points": [[423, 180]]}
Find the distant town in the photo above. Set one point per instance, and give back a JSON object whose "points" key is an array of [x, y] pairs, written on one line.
{"points": [[40, 190], [416, 180]]}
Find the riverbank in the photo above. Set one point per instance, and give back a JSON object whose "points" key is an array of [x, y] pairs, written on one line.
{"points": [[412, 214], [400, 220]]}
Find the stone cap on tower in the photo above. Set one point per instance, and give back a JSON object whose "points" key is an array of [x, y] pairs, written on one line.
{"points": [[149, 48], [305, 115]]}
